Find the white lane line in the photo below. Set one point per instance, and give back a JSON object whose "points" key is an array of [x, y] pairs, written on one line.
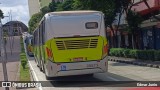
{"points": [[112, 78], [36, 78], [32, 70]]}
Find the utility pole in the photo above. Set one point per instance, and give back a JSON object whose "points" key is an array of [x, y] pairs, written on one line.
{"points": [[3, 54], [11, 31]]}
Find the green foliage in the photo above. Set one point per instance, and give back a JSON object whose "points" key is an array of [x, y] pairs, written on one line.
{"points": [[150, 55], [108, 7], [116, 52], [141, 54], [45, 10], [133, 53], [53, 6], [23, 63], [67, 5], [34, 21], [24, 69], [134, 19], [153, 55], [1, 14], [157, 55], [23, 57], [126, 52]]}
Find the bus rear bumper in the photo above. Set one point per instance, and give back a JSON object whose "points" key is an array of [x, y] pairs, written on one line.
{"points": [[80, 72], [82, 68]]}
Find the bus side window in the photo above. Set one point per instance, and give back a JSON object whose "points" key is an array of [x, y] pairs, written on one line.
{"points": [[43, 32], [25, 41], [32, 41]]}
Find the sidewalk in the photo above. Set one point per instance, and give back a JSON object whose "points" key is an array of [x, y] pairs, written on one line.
{"points": [[147, 63], [13, 61]]}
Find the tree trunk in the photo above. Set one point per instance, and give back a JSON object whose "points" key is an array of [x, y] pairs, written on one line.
{"points": [[119, 21], [113, 41]]}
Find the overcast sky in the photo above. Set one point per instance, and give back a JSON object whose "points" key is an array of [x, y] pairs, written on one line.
{"points": [[18, 8]]}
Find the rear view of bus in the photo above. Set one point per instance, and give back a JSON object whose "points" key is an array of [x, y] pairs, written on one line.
{"points": [[29, 43], [75, 43]]}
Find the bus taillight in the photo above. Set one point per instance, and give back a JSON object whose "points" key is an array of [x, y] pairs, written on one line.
{"points": [[49, 53], [105, 49]]}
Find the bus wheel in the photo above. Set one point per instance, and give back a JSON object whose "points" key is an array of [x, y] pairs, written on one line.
{"points": [[89, 75], [40, 67], [48, 78], [43, 68]]}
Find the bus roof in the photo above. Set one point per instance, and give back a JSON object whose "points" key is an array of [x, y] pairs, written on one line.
{"points": [[81, 12]]}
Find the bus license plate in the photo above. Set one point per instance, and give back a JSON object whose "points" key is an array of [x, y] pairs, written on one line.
{"points": [[78, 59], [92, 65]]}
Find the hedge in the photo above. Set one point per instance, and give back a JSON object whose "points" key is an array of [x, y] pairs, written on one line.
{"points": [[153, 55]]}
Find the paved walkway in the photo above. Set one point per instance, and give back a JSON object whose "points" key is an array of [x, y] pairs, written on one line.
{"points": [[13, 60], [154, 64]]}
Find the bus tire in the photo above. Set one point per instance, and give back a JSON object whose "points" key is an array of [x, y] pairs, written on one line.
{"points": [[43, 67], [48, 78], [90, 75]]}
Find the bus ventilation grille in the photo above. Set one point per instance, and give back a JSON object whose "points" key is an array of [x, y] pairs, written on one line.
{"points": [[77, 44]]}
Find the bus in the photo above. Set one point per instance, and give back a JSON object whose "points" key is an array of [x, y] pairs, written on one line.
{"points": [[29, 44], [71, 43]]}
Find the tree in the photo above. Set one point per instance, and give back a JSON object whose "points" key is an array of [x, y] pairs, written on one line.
{"points": [[1, 14], [134, 20], [65, 6], [45, 10], [108, 7], [53, 6], [33, 22]]}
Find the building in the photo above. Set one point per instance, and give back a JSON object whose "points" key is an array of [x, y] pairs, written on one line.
{"points": [[143, 9], [150, 32], [44, 3], [148, 36], [14, 28], [34, 7]]}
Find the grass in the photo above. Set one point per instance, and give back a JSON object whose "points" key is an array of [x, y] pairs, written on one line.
{"points": [[24, 72]]}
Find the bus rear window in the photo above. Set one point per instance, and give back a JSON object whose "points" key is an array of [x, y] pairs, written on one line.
{"points": [[91, 25]]}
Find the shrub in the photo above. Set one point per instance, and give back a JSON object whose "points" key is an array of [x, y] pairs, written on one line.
{"points": [[141, 54], [126, 52], [120, 52], [111, 52], [153, 55], [116, 52], [150, 54], [23, 63], [22, 54], [133, 53], [157, 55]]}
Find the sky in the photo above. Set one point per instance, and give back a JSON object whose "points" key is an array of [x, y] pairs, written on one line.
{"points": [[18, 9]]}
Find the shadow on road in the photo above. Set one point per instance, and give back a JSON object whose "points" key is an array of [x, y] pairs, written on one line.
{"points": [[87, 81], [118, 64]]}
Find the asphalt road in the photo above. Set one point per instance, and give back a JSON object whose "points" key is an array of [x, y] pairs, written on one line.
{"points": [[116, 72]]}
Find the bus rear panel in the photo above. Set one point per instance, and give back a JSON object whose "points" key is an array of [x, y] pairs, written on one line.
{"points": [[72, 43]]}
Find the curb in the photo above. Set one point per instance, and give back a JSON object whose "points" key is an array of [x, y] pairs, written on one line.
{"points": [[135, 63]]}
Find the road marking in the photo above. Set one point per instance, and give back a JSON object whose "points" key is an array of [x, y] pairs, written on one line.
{"points": [[36, 78], [32, 70]]}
